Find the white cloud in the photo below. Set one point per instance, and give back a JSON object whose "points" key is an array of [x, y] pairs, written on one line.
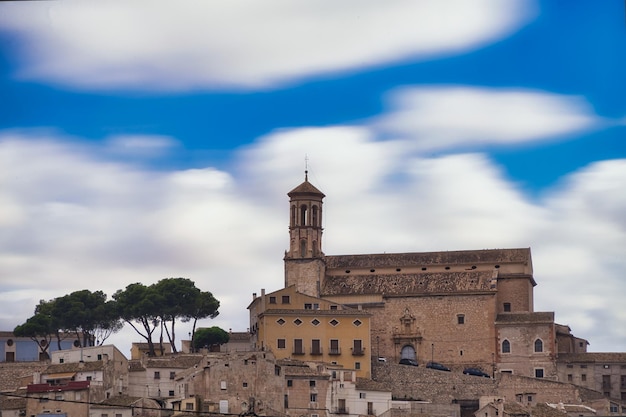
{"points": [[72, 218], [234, 43], [446, 117]]}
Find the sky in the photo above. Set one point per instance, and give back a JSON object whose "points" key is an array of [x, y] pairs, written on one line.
{"points": [[151, 139]]}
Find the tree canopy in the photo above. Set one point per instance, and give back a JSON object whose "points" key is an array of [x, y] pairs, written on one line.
{"points": [[210, 336]]}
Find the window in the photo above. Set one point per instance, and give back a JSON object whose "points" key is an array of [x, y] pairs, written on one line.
{"points": [[313, 397], [281, 321], [316, 306], [333, 322], [244, 385], [530, 398], [157, 375], [58, 397], [316, 348], [357, 365], [171, 393], [280, 344], [315, 322], [285, 299], [538, 346], [286, 401], [89, 377], [297, 347], [297, 322], [506, 346], [308, 306], [272, 300], [276, 370], [357, 322], [290, 382], [460, 318], [61, 360], [361, 395], [539, 373], [583, 377], [334, 347], [172, 375], [357, 347], [570, 377], [506, 307], [99, 356], [333, 307], [312, 383], [222, 385], [189, 406]]}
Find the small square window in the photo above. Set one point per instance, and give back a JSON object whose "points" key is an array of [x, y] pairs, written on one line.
{"points": [[334, 322], [297, 322], [285, 299], [157, 375], [539, 373], [357, 365], [583, 377], [460, 319], [281, 344], [172, 375], [308, 306], [361, 395], [506, 307], [280, 321], [171, 393], [312, 383], [245, 385], [315, 322], [290, 383], [357, 322], [272, 300], [313, 397], [333, 307]]}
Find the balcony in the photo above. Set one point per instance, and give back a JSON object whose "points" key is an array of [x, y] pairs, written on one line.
{"points": [[297, 351], [316, 352], [334, 351], [358, 352], [341, 410]]}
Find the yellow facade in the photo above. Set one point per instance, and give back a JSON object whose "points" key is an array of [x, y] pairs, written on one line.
{"points": [[298, 326]]}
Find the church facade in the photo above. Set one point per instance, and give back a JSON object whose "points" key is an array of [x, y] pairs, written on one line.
{"points": [[464, 309]]}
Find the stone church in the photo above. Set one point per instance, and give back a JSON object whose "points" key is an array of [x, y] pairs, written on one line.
{"points": [[470, 308]]}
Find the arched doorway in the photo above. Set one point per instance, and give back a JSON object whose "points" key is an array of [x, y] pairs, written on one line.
{"points": [[408, 352]]}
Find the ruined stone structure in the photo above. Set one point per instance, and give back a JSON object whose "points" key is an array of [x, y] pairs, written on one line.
{"points": [[462, 308]]}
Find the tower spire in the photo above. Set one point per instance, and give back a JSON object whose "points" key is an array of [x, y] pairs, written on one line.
{"points": [[306, 167]]}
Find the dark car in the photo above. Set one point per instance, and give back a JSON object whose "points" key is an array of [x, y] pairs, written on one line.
{"points": [[437, 366], [406, 361], [475, 371]]}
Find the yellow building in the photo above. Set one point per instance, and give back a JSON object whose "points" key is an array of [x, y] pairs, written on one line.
{"points": [[295, 325]]}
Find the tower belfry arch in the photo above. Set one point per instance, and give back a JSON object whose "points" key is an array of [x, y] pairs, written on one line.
{"points": [[304, 260]]}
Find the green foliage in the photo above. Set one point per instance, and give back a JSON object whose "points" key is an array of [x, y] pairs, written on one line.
{"points": [[211, 336]]}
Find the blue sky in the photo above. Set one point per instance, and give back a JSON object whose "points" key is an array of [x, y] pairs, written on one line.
{"points": [[151, 139]]}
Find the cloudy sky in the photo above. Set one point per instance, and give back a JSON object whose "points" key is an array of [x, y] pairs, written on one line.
{"points": [[148, 139]]}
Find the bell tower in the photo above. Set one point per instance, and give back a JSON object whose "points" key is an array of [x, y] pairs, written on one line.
{"points": [[304, 261]]}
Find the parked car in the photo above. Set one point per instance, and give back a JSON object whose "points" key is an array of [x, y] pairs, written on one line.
{"points": [[437, 366], [406, 361], [475, 371]]}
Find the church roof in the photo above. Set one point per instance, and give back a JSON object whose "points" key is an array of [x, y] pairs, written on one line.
{"points": [[399, 284], [430, 258], [526, 317], [305, 188]]}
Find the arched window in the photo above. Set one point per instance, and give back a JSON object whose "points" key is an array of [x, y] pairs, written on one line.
{"points": [[302, 248], [407, 352], [314, 214], [293, 216], [506, 346], [303, 213], [538, 345], [315, 253]]}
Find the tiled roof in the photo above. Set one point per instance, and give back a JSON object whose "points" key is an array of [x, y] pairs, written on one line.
{"points": [[58, 368], [120, 400], [174, 361], [593, 357], [305, 188], [429, 258], [135, 365], [371, 385], [536, 317], [346, 312], [544, 410], [408, 284]]}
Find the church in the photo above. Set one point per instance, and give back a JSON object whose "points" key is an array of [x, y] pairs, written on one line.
{"points": [[471, 308]]}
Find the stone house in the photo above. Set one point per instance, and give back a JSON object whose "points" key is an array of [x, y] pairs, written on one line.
{"points": [[156, 377], [125, 406], [295, 325], [70, 399], [603, 372], [108, 368]]}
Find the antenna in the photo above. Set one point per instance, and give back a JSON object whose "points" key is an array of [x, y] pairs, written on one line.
{"points": [[306, 167]]}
